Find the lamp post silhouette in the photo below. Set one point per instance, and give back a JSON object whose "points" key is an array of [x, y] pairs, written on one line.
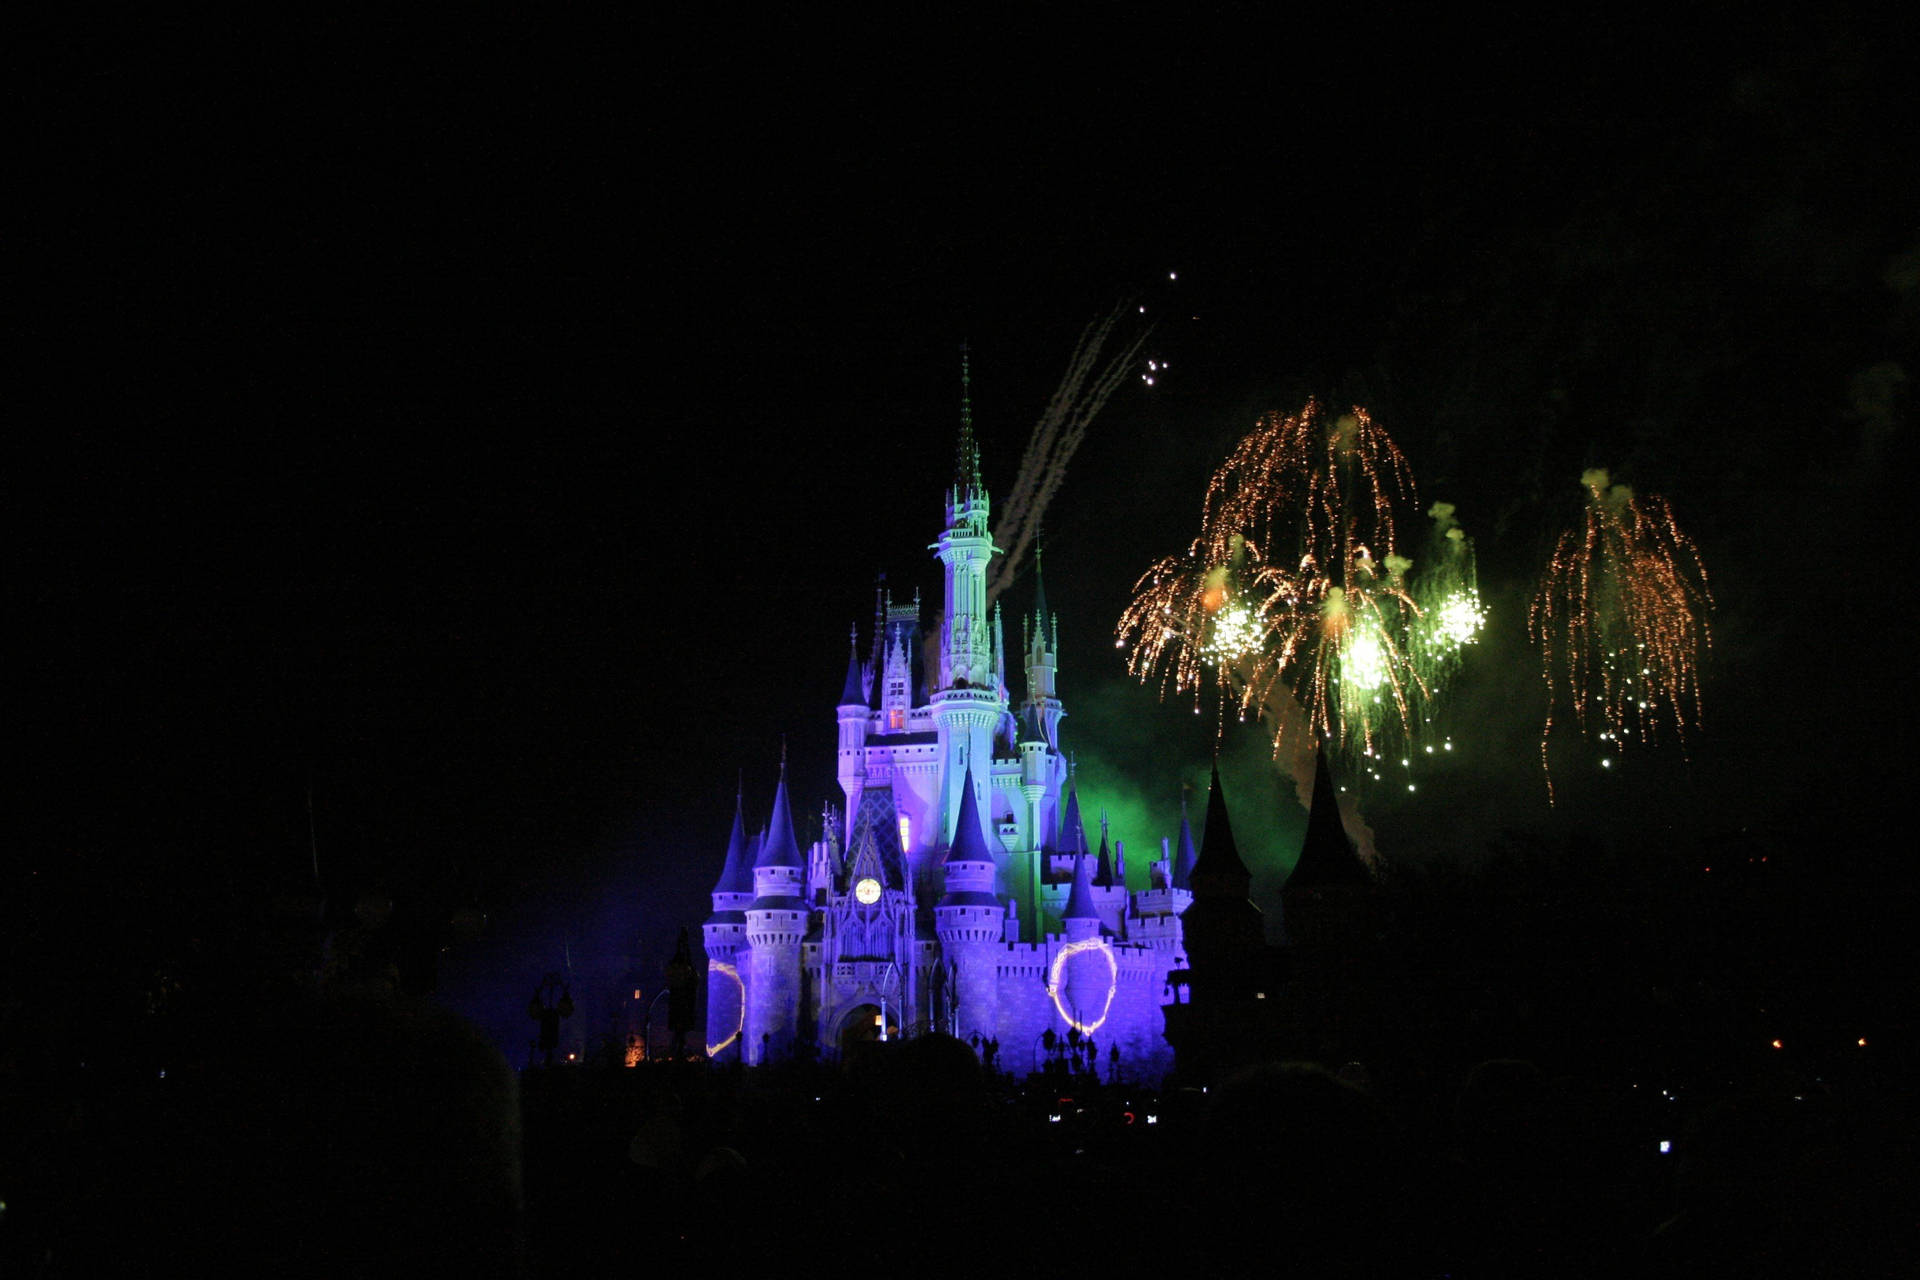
{"points": [[889, 984], [646, 1032]]}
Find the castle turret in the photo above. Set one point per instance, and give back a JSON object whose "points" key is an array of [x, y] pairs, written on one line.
{"points": [[1329, 900], [852, 717], [1223, 1014], [970, 920], [725, 934], [776, 926], [1224, 932]]}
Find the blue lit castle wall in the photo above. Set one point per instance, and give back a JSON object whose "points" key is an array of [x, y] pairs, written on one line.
{"points": [[954, 889]]}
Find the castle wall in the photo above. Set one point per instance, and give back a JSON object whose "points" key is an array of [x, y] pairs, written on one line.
{"points": [[1133, 1020]]}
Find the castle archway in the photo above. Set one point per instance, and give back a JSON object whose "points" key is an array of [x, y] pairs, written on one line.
{"points": [[861, 1024]]}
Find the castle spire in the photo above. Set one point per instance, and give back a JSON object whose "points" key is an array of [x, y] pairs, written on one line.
{"points": [[781, 848], [737, 875], [1042, 662], [854, 691], [1219, 866], [1080, 897], [1073, 836], [1184, 860], [970, 838], [1327, 855], [966, 478]]}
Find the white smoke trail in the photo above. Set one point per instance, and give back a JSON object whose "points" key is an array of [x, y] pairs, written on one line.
{"points": [[1082, 393]]}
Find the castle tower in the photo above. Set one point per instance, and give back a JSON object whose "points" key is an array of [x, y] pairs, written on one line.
{"points": [[970, 921], [725, 933], [1224, 1012], [1334, 930], [1225, 932], [968, 702], [776, 926]]}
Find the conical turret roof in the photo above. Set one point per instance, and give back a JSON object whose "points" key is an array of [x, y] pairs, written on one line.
{"points": [[1327, 855], [1073, 834], [1219, 859], [970, 843], [853, 693], [737, 875], [780, 849], [1184, 857], [1080, 897]]}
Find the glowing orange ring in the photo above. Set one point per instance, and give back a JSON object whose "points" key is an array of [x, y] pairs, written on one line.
{"points": [[1060, 957], [741, 1022]]}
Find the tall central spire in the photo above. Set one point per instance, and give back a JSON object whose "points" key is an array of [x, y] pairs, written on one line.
{"points": [[969, 701]]}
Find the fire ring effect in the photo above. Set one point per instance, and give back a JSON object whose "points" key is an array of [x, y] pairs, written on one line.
{"points": [[1113, 982]]}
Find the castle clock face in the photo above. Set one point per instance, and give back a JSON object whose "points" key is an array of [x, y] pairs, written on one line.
{"points": [[867, 890]]}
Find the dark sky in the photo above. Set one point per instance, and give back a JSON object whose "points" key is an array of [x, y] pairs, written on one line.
{"points": [[498, 429]]}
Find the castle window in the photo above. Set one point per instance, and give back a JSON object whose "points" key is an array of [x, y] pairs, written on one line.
{"points": [[896, 719], [906, 833]]}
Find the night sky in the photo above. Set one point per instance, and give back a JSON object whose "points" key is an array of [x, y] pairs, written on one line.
{"points": [[497, 430]]}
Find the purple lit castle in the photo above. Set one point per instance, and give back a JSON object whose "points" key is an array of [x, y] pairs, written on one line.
{"points": [[956, 891]]}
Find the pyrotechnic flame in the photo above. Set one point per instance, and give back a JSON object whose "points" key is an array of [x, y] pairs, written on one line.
{"points": [[1621, 618]]}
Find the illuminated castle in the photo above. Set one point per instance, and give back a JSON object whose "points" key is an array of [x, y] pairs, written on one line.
{"points": [[956, 890]]}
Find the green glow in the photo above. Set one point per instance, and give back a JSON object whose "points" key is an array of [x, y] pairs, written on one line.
{"points": [[1133, 755]]}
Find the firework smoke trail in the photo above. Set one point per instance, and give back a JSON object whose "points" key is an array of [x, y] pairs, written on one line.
{"points": [[1326, 621], [1082, 393], [1620, 617]]}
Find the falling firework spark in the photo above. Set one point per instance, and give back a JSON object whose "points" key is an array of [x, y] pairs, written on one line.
{"points": [[1325, 622], [1621, 619], [1091, 378]]}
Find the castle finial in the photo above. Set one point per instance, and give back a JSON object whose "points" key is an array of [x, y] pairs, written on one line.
{"points": [[967, 463], [1039, 591]]}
